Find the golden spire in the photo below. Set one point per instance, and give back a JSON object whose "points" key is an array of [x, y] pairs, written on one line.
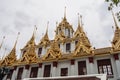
{"points": [[116, 25], [2, 42], [31, 42], [65, 13], [13, 51], [78, 20], [16, 40], [45, 38]]}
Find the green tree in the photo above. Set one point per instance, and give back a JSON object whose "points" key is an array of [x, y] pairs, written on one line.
{"points": [[114, 4]]}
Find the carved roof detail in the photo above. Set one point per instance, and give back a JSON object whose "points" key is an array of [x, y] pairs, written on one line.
{"points": [[80, 34], [53, 52], [10, 59], [45, 39], [116, 38], [82, 50]]}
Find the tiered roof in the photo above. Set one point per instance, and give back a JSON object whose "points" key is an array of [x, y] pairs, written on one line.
{"points": [[82, 49]]}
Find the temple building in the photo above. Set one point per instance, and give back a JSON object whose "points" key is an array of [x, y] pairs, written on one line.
{"points": [[70, 53]]}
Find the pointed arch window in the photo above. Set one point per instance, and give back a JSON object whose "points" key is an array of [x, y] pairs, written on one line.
{"points": [[68, 47], [67, 32], [39, 52]]}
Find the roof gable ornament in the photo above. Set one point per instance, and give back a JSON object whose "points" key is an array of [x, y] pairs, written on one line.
{"points": [[116, 38], [29, 56], [31, 42], [82, 50], [80, 34], [45, 39], [10, 59], [53, 52]]}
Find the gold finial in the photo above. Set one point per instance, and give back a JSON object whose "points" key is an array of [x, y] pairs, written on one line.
{"points": [[79, 20], [35, 28], [116, 25], [16, 40], [47, 27], [2, 42], [65, 13]]}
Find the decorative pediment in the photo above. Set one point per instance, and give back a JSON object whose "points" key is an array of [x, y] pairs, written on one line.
{"points": [[60, 37], [82, 50], [53, 52], [116, 46], [45, 39], [80, 34], [29, 56], [116, 38]]}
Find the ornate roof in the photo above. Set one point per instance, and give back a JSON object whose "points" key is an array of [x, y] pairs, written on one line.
{"points": [[31, 42], [80, 34], [45, 39], [116, 38], [10, 59], [82, 50], [60, 37], [29, 54], [53, 52], [64, 23]]}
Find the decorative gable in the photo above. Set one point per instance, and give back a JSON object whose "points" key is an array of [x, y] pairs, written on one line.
{"points": [[53, 52]]}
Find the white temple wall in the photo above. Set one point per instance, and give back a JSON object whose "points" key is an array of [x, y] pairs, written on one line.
{"points": [[63, 64]]}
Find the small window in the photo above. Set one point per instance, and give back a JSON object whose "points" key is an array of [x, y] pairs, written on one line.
{"points": [[67, 32], [82, 70], [76, 42], [104, 66], [59, 45], [68, 46], [64, 71], [19, 75], [47, 71], [39, 51], [34, 71]]}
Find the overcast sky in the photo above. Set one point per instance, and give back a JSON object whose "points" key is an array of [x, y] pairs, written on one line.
{"points": [[21, 16]]}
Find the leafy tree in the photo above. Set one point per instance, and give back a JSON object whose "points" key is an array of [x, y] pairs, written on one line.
{"points": [[114, 4]]}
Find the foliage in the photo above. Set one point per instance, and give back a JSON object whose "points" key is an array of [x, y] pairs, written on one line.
{"points": [[114, 4]]}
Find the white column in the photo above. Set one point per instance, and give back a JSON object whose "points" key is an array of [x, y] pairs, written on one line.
{"points": [[54, 72], [54, 69], [72, 71], [118, 67], [117, 61], [40, 72], [14, 75], [62, 47], [72, 46], [91, 66], [25, 72]]}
